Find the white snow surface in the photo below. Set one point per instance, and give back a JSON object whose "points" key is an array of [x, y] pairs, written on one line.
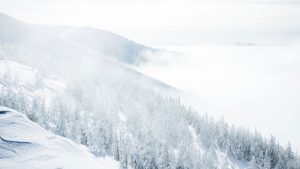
{"points": [[199, 147], [26, 145], [222, 158], [25, 75], [25, 78]]}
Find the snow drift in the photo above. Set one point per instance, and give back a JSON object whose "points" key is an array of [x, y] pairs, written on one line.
{"points": [[24, 144]]}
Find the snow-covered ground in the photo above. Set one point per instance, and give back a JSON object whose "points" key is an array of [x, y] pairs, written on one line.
{"points": [[24, 75], [27, 79], [24, 144]]}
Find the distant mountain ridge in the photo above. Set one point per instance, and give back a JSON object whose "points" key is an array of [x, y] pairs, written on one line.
{"points": [[48, 51], [104, 42]]}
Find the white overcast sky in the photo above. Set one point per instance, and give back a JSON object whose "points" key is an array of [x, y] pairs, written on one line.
{"points": [[156, 21]]}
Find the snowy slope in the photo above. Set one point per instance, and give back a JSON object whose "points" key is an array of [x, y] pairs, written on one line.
{"points": [[50, 53], [29, 81], [24, 144], [110, 108], [35, 149], [25, 75], [96, 41], [104, 42]]}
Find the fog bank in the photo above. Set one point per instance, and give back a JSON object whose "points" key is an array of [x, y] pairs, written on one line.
{"points": [[252, 86]]}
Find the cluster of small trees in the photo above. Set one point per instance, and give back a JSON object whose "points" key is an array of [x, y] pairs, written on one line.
{"points": [[144, 129], [244, 145], [14, 96]]}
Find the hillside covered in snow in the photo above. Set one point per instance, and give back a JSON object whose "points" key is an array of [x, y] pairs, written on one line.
{"points": [[72, 89], [104, 42], [24, 144]]}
